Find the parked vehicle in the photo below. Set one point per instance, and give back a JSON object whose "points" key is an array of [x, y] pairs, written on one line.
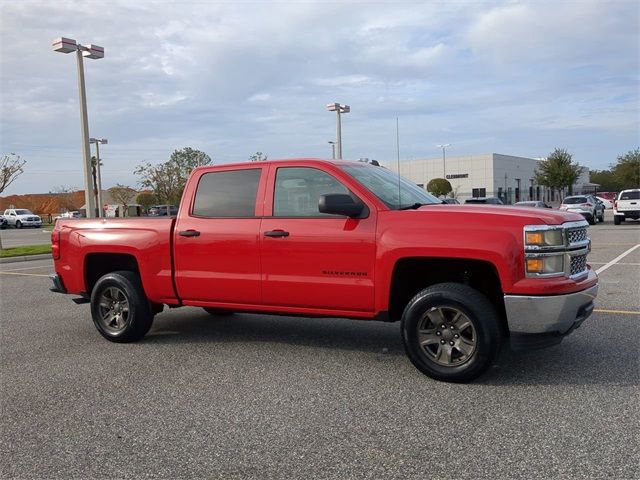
{"points": [[74, 214], [322, 238], [21, 217], [627, 206], [585, 205], [3, 222], [451, 201], [163, 210], [533, 203], [484, 200], [608, 204]]}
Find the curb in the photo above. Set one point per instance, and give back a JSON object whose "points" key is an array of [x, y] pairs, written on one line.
{"points": [[26, 258]]}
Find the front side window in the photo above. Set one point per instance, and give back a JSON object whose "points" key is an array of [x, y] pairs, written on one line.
{"points": [[227, 194], [298, 190]]}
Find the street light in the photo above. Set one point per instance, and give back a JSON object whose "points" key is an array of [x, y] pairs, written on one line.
{"points": [[68, 45], [443, 147], [99, 141], [338, 108], [333, 149]]}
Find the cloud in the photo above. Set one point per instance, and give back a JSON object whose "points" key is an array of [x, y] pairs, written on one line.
{"points": [[232, 78]]}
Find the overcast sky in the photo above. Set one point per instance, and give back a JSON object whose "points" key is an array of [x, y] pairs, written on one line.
{"points": [[235, 77]]}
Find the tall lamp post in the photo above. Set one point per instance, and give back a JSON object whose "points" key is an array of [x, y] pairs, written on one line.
{"points": [[339, 109], [99, 141], [444, 169], [333, 149], [68, 45]]}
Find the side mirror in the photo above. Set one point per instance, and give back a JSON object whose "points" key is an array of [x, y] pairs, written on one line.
{"points": [[339, 204]]}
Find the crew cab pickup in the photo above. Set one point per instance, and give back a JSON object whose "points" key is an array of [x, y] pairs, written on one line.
{"points": [[627, 205], [322, 238]]}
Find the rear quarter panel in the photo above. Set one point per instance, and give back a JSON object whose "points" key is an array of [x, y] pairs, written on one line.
{"points": [[146, 239]]}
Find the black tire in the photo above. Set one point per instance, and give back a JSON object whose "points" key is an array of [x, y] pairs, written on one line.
{"points": [[601, 218], [218, 312], [616, 220], [446, 300], [110, 294], [592, 220], [18, 224]]}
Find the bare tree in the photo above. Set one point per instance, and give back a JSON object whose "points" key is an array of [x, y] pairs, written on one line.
{"points": [[10, 169], [258, 157], [122, 194]]}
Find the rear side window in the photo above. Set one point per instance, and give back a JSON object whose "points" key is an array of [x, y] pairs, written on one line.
{"points": [[574, 200], [227, 194], [630, 195]]}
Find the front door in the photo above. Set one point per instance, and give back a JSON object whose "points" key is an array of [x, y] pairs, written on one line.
{"points": [[216, 242], [314, 260]]}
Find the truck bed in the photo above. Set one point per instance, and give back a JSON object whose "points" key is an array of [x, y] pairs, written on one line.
{"points": [[145, 241]]}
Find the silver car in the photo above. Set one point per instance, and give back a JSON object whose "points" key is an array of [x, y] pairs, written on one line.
{"points": [[585, 205]]}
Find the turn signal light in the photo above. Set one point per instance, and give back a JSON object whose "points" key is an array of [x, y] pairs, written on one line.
{"points": [[535, 238], [535, 265]]}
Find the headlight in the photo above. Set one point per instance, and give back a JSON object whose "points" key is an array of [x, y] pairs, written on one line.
{"points": [[543, 238], [549, 265]]}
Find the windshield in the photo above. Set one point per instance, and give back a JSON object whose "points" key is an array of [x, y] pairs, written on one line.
{"points": [[23, 212], [385, 185]]}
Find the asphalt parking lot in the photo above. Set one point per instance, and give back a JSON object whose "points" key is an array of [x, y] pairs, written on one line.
{"points": [[13, 237], [281, 397]]}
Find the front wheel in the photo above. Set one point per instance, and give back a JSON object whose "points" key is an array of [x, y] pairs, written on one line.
{"points": [[119, 307], [451, 332], [18, 224]]}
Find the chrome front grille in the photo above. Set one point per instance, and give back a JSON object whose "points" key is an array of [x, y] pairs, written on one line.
{"points": [[578, 264], [575, 235]]}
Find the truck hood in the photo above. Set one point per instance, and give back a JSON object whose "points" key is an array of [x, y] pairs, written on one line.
{"points": [[490, 213]]}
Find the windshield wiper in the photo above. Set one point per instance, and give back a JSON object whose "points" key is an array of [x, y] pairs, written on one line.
{"points": [[412, 207]]}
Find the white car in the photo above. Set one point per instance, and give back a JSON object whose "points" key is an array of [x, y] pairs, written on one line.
{"points": [[627, 206], [608, 204], [21, 217]]}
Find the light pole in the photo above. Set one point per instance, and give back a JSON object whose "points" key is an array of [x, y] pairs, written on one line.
{"points": [[98, 141], [444, 169], [67, 45], [333, 149], [338, 108]]}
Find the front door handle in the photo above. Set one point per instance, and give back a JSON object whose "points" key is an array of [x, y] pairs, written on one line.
{"points": [[276, 233], [189, 233]]}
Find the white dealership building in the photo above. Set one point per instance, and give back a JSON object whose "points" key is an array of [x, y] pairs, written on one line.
{"points": [[507, 177]]}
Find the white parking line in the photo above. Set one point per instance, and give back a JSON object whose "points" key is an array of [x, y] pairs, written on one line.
{"points": [[617, 259]]}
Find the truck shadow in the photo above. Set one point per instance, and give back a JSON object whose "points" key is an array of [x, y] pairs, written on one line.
{"points": [[578, 360]]}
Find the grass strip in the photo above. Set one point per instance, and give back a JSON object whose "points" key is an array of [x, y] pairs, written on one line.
{"points": [[26, 250]]}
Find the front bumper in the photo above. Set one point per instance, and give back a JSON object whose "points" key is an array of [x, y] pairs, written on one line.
{"points": [[539, 321]]}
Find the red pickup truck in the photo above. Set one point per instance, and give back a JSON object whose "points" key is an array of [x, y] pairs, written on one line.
{"points": [[321, 238]]}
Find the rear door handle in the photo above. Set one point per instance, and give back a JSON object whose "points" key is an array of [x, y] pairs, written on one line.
{"points": [[276, 233], [189, 233]]}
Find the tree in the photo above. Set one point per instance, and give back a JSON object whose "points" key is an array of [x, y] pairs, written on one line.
{"points": [[258, 157], [606, 179], [146, 200], [558, 170], [167, 179], [627, 170], [439, 186], [122, 195], [10, 169]]}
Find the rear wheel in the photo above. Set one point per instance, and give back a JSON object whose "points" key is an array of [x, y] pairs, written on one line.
{"points": [[616, 220], [601, 218], [119, 307], [451, 332], [591, 219]]}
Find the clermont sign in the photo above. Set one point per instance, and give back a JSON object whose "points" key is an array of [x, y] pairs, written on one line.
{"points": [[458, 175]]}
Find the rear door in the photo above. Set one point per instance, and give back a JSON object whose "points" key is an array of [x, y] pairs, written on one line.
{"points": [[216, 245]]}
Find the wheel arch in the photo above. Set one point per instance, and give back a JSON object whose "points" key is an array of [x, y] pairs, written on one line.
{"points": [[413, 274], [98, 264]]}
